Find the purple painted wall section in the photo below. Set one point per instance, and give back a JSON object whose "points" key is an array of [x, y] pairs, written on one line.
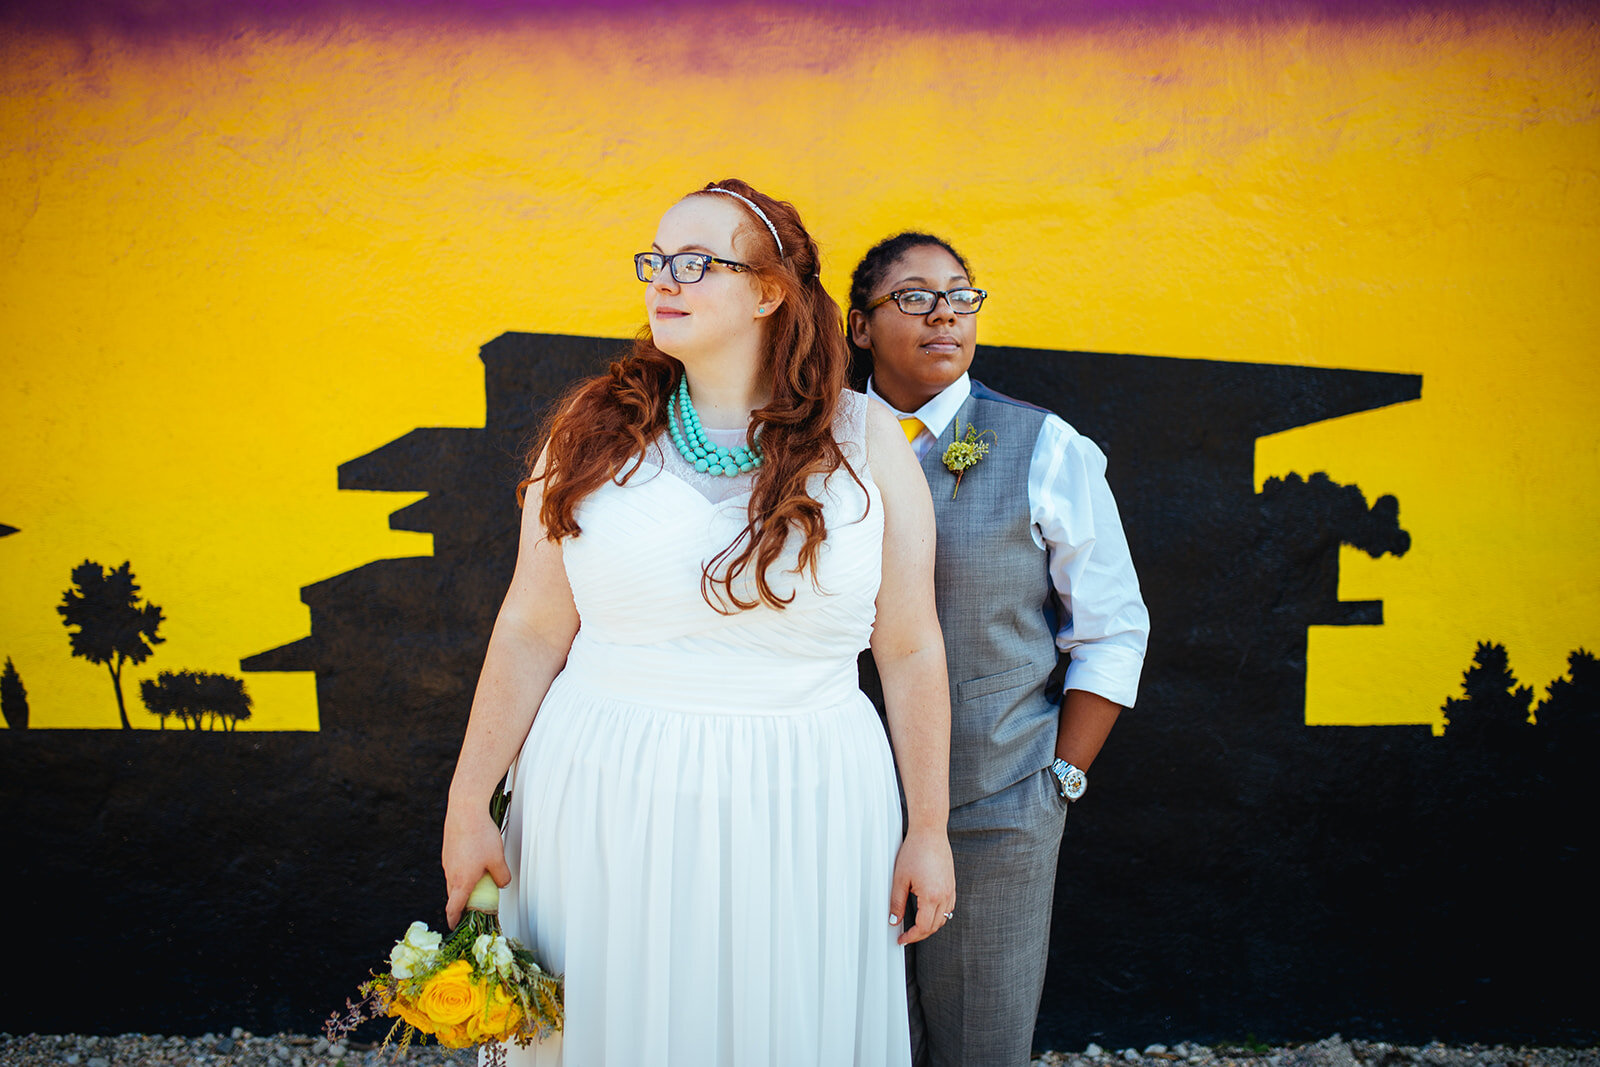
{"points": [[1006, 16]]}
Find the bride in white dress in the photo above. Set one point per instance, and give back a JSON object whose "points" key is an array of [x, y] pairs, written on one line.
{"points": [[706, 836]]}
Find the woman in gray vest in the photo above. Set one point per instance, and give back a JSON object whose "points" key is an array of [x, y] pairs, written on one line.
{"points": [[1032, 568]]}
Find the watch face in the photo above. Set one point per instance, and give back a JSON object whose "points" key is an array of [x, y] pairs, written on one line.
{"points": [[1073, 781]]}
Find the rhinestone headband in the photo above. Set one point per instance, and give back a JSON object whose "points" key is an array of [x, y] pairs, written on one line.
{"points": [[751, 204]]}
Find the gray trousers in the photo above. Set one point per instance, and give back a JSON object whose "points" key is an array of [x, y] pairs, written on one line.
{"points": [[974, 986]]}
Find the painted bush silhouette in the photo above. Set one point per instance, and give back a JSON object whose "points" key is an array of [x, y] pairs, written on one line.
{"points": [[1494, 709], [113, 627], [13, 697], [1571, 712], [193, 697], [1319, 503]]}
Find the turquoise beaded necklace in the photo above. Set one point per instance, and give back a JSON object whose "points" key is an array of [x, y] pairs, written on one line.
{"points": [[704, 454]]}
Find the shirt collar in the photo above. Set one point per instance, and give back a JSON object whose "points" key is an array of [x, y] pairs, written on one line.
{"points": [[937, 413]]}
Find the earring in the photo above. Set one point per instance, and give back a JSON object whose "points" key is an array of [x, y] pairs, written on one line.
{"points": [[761, 311]]}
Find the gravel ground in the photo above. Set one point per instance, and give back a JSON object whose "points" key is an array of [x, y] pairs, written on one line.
{"points": [[243, 1049]]}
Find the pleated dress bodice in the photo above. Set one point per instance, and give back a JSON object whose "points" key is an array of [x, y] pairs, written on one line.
{"points": [[641, 620]]}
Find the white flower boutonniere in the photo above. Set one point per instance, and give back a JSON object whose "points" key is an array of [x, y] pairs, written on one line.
{"points": [[965, 451]]}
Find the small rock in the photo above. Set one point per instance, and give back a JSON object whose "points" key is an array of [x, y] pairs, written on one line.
{"points": [[1094, 1051], [99, 1061], [1155, 1050], [1329, 1052], [236, 1033], [73, 1059], [224, 1045], [319, 1046], [1131, 1055]]}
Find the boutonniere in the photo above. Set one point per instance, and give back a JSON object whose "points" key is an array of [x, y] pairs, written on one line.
{"points": [[965, 451]]}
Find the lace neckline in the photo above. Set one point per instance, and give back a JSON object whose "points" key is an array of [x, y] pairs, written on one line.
{"points": [[714, 487]]}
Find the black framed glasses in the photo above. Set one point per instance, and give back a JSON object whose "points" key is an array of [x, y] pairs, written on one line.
{"points": [[686, 268], [923, 301]]}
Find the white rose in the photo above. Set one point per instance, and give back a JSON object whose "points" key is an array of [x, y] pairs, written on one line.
{"points": [[403, 960], [481, 950], [424, 940], [502, 956]]}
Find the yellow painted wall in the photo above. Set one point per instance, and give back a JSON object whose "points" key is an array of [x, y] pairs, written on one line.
{"points": [[229, 262]]}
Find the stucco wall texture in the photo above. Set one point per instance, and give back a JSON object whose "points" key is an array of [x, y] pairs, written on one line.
{"points": [[250, 252], [241, 246]]}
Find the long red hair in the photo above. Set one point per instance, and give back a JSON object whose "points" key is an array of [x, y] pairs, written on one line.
{"points": [[602, 429]]}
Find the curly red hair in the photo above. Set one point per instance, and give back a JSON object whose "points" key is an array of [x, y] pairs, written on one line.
{"points": [[603, 427]]}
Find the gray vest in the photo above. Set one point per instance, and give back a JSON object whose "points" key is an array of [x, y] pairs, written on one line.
{"points": [[995, 606]]}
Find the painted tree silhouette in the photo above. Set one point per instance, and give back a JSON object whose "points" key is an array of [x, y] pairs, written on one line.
{"points": [[13, 697], [1570, 716], [1494, 708], [1319, 503], [113, 627], [164, 698], [195, 696]]}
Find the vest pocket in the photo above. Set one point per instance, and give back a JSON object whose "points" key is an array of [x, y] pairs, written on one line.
{"points": [[996, 683]]}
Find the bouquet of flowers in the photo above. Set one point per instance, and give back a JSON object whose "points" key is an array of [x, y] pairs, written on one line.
{"points": [[476, 987]]}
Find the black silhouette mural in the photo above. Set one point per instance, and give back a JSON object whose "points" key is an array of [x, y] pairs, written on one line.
{"points": [[1236, 871], [197, 699], [113, 627], [13, 698]]}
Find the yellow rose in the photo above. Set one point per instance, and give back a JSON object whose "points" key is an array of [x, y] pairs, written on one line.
{"points": [[451, 997], [499, 1018], [401, 1008], [454, 1036]]}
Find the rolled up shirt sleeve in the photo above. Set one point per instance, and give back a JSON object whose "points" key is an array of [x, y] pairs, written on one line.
{"points": [[1103, 624]]}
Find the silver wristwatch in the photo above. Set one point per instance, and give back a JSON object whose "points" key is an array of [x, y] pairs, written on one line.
{"points": [[1070, 782]]}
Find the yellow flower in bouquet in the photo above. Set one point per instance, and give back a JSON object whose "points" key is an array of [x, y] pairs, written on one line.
{"points": [[401, 1008], [499, 1018], [476, 987], [449, 999]]}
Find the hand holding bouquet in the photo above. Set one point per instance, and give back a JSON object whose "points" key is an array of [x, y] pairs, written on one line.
{"points": [[477, 987]]}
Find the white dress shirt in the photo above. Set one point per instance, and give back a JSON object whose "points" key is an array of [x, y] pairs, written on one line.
{"points": [[1103, 622]]}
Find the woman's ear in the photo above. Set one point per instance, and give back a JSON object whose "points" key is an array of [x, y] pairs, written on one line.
{"points": [[860, 336], [771, 300]]}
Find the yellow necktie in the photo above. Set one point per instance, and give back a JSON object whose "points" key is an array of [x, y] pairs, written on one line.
{"points": [[912, 426]]}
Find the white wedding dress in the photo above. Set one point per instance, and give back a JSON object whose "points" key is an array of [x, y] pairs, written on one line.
{"points": [[705, 816]]}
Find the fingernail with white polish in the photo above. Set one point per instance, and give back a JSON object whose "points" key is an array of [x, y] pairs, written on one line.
{"points": [[894, 920]]}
